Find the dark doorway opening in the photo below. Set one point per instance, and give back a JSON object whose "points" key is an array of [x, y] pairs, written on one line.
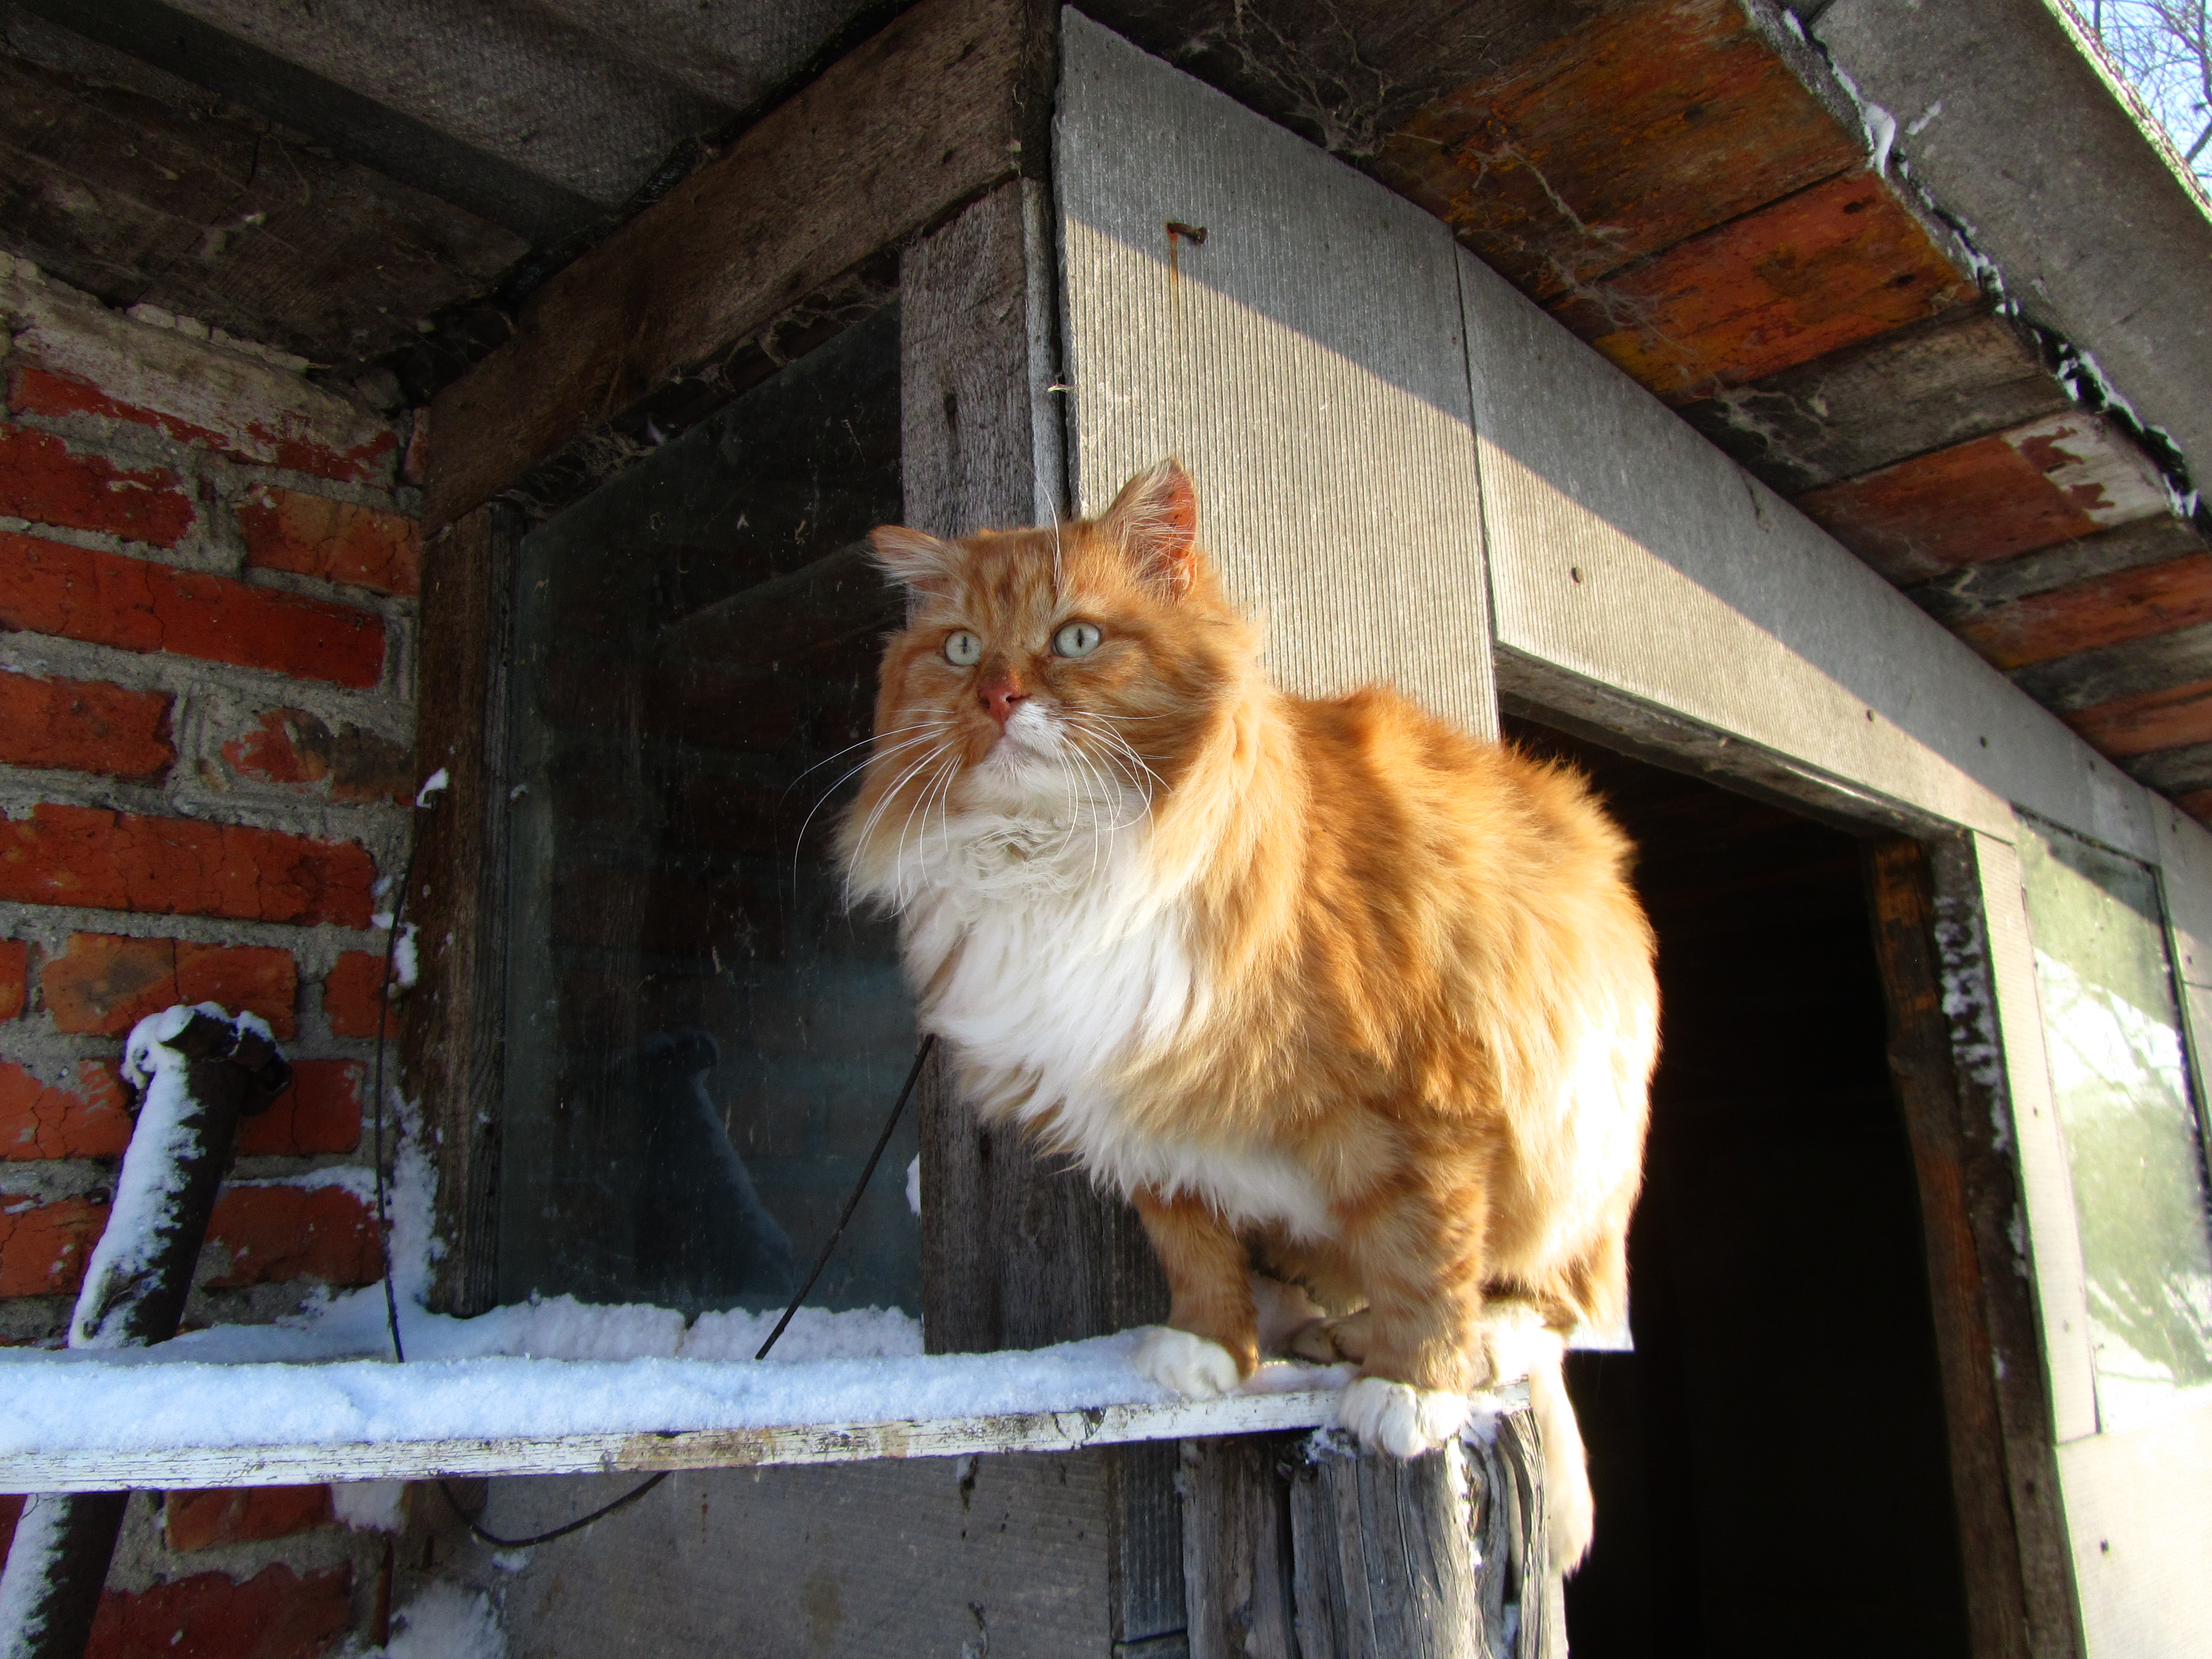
{"points": [[1770, 1464]]}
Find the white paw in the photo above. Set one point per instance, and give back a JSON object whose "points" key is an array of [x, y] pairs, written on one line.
{"points": [[1399, 1418], [1182, 1364]]}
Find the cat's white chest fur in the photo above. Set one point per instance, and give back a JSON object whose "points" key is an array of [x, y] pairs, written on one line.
{"points": [[1051, 955]]}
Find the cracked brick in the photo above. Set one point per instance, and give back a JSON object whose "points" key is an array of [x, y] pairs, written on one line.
{"points": [[102, 984], [337, 541], [87, 1117], [45, 481]]}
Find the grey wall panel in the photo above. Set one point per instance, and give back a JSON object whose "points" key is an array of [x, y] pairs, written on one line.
{"points": [[1304, 362], [1626, 549], [2141, 1533]]}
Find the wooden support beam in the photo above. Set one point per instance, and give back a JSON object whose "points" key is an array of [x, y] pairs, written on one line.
{"points": [[453, 1021], [2048, 481], [946, 101], [1643, 127], [1975, 590], [2004, 1465]]}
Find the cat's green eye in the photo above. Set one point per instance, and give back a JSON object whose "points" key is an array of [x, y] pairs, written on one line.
{"points": [[1077, 638], [964, 649]]}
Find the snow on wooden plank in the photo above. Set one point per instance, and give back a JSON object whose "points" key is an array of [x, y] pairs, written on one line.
{"points": [[93, 1469]]}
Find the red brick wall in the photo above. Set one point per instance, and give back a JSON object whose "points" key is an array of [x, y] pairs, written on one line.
{"points": [[208, 572]]}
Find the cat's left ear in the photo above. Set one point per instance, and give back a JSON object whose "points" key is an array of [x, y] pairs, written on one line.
{"points": [[1155, 517], [918, 561]]}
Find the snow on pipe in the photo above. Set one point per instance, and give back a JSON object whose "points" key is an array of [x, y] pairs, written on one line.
{"points": [[195, 1071]]}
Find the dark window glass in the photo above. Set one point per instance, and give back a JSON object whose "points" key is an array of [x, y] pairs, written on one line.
{"points": [[701, 1043]]}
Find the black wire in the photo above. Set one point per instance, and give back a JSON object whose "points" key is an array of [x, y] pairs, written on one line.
{"points": [[577, 1525], [860, 1186], [898, 1111]]}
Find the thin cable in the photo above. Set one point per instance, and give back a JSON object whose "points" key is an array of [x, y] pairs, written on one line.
{"points": [[376, 1115], [898, 1111], [577, 1525], [860, 1186]]}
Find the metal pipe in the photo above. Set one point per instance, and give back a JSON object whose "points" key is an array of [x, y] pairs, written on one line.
{"points": [[195, 1075]]}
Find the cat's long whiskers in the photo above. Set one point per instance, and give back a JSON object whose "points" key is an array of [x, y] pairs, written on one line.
{"points": [[940, 786], [799, 843], [876, 816], [919, 811], [936, 722]]}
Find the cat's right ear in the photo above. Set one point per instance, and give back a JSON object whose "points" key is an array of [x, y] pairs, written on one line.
{"points": [[922, 564], [1155, 517]]}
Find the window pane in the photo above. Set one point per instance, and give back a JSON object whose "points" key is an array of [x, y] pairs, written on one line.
{"points": [[2130, 1124], [702, 1045]]}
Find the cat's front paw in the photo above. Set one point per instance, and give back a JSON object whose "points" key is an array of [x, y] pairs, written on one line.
{"points": [[1188, 1365], [1399, 1418]]}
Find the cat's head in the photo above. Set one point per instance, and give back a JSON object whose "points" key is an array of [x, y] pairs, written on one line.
{"points": [[1071, 670]]}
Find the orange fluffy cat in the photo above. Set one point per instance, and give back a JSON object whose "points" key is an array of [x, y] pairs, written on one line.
{"points": [[1329, 989]]}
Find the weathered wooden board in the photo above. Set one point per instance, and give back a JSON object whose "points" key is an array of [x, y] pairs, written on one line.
{"points": [[1835, 263], [1972, 590], [2046, 1184], [2142, 1533], [1604, 511], [453, 1022], [1924, 387], [1302, 361], [2176, 771], [2185, 857], [1237, 1547], [2048, 481], [1347, 86], [2130, 605], [290, 1464], [930, 112], [2164, 719], [1643, 127], [2090, 677], [213, 214]]}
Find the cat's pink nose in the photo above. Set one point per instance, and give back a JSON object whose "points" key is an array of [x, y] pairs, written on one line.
{"points": [[999, 696]]}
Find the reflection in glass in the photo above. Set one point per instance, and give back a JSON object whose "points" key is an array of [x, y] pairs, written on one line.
{"points": [[701, 1043], [2132, 1136]]}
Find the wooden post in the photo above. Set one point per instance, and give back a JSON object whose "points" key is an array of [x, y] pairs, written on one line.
{"points": [[1933, 950], [455, 1018], [1016, 1254]]}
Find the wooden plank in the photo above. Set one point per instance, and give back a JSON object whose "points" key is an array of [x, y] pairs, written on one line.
{"points": [[281, 1463], [2009, 1533], [2049, 481], [1835, 263], [1355, 525], [1973, 589], [932, 111], [2130, 605], [454, 1022], [1646, 125], [1927, 385], [211, 214], [2149, 720]]}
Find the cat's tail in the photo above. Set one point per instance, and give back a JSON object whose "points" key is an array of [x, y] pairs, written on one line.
{"points": [[1570, 1514], [1517, 1343]]}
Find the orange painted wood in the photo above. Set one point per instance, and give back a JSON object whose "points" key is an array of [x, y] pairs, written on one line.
{"points": [[1840, 262], [1975, 501], [2129, 605], [1646, 125], [2152, 721]]}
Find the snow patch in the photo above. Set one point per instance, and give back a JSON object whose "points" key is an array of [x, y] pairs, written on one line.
{"points": [[914, 1184], [370, 1505], [431, 785], [446, 1622]]}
